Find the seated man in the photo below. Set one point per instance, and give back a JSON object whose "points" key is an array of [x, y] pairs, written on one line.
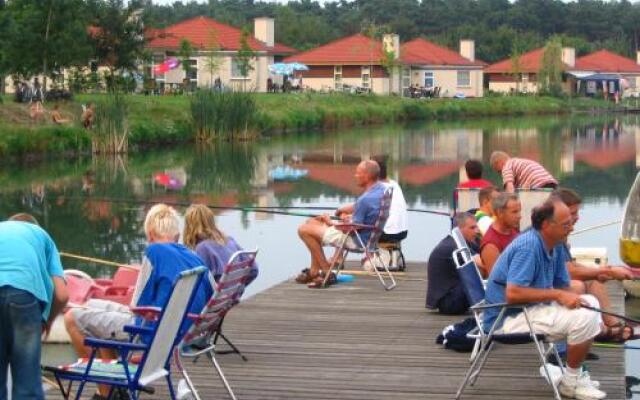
{"points": [[504, 229], [396, 228], [520, 173], [532, 270], [590, 280], [319, 231], [473, 169], [56, 117], [485, 215], [444, 289], [164, 260]]}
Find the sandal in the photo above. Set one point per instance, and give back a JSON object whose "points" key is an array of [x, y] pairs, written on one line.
{"points": [[318, 282], [304, 276], [619, 333]]}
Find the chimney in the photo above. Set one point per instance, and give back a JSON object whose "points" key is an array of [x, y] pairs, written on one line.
{"points": [[569, 56], [468, 49], [391, 42], [263, 30]]}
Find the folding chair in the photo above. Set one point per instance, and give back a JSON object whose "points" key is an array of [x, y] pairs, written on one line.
{"points": [[370, 250], [154, 356], [202, 336], [474, 290]]}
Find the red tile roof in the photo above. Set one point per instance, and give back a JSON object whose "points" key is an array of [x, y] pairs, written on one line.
{"points": [[355, 50], [421, 51], [606, 61], [201, 31], [529, 63]]}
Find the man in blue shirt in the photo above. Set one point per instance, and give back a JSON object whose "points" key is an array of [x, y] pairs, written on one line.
{"points": [[532, 270], [32, 294], [320, 231], [164, 259]]}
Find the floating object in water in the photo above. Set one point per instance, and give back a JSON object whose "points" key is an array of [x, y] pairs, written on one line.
{"points": [[282, 173]]}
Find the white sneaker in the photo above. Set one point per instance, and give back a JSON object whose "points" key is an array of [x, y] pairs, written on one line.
{"points": [[575, 387], [586, 379]]}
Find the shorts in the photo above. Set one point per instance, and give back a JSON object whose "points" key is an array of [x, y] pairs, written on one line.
{"points": [[103, 319], [558, 322], [333, 237]]}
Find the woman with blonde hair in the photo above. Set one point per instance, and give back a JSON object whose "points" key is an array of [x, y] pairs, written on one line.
{"points": [[203, 236]]}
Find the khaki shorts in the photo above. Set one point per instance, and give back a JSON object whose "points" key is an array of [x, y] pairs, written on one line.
{"points": [[103, 319], [558, 322], [333, 237]]}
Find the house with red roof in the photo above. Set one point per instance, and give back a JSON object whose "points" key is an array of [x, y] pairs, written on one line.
{"points": [[384, 66], [215, 46], [521, 75], [594, 73]]}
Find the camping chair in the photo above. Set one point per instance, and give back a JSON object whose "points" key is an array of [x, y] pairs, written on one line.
{"points": [[201, 337], [370, 250], [474, 290], [154, 357]]}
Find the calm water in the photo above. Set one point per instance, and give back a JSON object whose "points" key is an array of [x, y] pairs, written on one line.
{"points": [[598, 157]]}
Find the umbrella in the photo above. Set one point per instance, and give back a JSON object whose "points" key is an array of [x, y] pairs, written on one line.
{"points": [[287, 68], [168, 64]]}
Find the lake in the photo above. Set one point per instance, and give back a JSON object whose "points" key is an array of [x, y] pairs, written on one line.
{"points": [[96, 207]]}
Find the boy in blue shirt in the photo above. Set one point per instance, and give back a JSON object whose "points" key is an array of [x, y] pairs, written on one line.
{"points": [[32, 294], [164, 259]]}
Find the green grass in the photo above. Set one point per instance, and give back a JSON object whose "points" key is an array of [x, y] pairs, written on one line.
{"points": [[159, 120]]}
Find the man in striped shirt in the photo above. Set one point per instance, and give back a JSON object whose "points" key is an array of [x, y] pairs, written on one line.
{"points": [[520, 173]]}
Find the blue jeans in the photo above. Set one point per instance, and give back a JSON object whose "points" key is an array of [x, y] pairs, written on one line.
{"points": [[20, 332]]}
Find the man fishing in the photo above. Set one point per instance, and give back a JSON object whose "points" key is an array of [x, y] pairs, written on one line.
{"points": [[320, 231], [532, 270]]}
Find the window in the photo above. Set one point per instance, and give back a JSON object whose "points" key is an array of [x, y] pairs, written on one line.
{"points": [[365, 73], [235, 70], [464, 79], [337, 76], [406, 78], [428, 79], [192, 75], [525, 78]]}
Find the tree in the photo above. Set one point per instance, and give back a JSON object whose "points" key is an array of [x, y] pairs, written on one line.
{"points": [[213, 60], [551, 68], [117, 36], [244, 56], [516, 67], [43, 36], [185, 59]]}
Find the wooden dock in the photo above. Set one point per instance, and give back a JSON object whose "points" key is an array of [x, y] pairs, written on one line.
{"points": [[357, 341]]}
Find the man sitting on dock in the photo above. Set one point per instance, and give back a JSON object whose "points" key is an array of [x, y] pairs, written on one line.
{"points": [[319, 231], [532, 270], [520, 173], [589, 280], [164, 260], [444, 289], [505, 228]]}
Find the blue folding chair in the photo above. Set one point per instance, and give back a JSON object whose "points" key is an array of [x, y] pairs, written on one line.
{"points": [[486, 338], [154, 357]]}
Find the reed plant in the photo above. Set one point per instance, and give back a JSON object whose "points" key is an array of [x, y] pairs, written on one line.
{"points": [[111, 125], [223, 115]]}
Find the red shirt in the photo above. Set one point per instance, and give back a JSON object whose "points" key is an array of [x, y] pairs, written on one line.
{"points": [[500, 240], [475, 184]]}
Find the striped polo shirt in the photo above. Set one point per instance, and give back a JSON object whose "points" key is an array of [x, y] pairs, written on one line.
{"points": [[526, 174]]}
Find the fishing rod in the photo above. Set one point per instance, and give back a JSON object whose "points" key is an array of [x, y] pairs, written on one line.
{"points": [[579, 231], [265, 209], [635, 321], [98, 261], [616, 346]]}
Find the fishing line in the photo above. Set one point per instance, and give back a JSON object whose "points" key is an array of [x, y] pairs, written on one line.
{"points": [[635, 321]]}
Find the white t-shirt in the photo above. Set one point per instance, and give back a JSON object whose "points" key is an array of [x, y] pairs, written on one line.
{"points": [[398, 220]]}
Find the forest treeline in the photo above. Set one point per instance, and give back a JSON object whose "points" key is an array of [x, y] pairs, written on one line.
{"points": [[500, 27]]}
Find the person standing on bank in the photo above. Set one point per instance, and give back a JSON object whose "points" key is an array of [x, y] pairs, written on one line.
{"points": [[32, 293]]}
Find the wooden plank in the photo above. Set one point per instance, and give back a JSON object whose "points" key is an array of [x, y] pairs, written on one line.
{"points": [[357, 341]]}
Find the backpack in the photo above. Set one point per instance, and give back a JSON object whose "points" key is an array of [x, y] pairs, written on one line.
{"points": [[454, 337]]}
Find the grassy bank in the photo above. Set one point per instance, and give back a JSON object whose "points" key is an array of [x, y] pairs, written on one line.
{"points": [[161, 120]]}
